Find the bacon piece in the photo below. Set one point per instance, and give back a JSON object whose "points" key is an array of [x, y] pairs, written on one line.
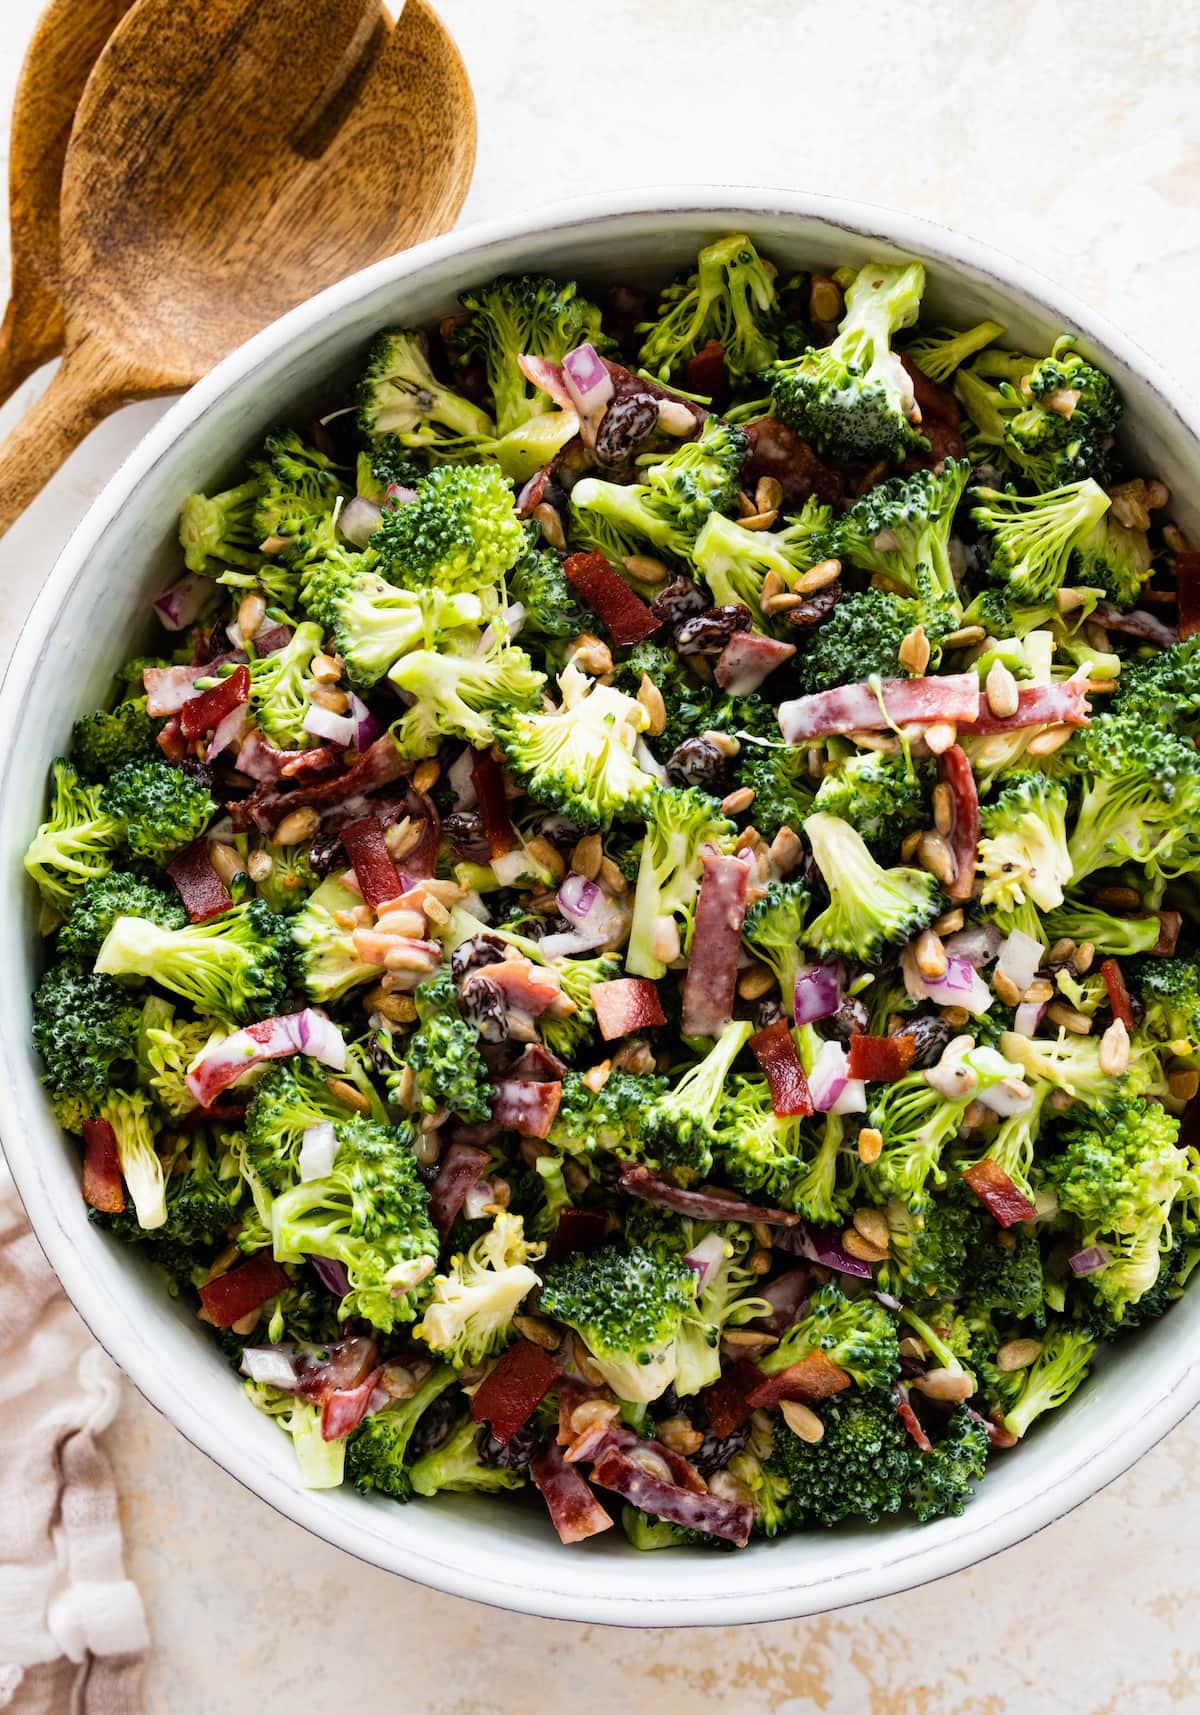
{"points": [[730, 1520], [711, 980], [341, 1365], [572, 1393], [956, 774], [625, 614], [529, 988], [747, 659], [776, 450], [461, 1167], [526, 1106], [814, 1377], [172, 742], [705, 373], [169, 688], [574, 1509], [1169, 925], [271, 639], [201, 714], [856, 708], [940, 418], [378, 766], [626, 383], [1118, 994], [102, 1187], [996, 1191], [577, 1230], [343, 1409], [261, 760], [512, 1390], [1187, 586], [199, 886], [377, 876], [725, 1403], [775, 1051], [880, 1059], [487, 777], [221, 1113], [537, 1065], [625, 1004], [1147, 627], [651, 1187], [533, 493], [322, 762], [223, 1063], [234, 1295], [419, 806], [911, 1421], [548, 376], [998, 1434], [1037, 705], [376, 947]]}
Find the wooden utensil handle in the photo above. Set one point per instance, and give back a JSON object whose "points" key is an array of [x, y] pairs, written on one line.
{"points": [[85, 388], [17, 360]]}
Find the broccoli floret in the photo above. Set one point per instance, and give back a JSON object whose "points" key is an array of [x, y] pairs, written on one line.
{"points": [[85, 1028], [1118, 1173], [768, 1492], [731, 298], [117, 894], [468, 1316], [290, 879], [682, 1127], [376, 1451], [288, 1099], [457, 1466], [628, 1305], [917, 1123], [726, 1299], [280, 684], [235, 966], [1170, 992], [166, 1047], [1023, 853], [1115, 558], [565, 1035], [702, 476], [1052, 1378], [327, 962], [880, 796], [1066, 411], [679, 824], [1096, 1315], [77, 841], [579, 759], [528, 315], [1012, 1146], [161, 808], [987, 409], [783, 789], [1165, 690], [869, 907], [218, 530], [1079, 920], [797, 1164], [859, 1469], [939, 352], [904, 524], [774, 930], [1007, 1281], [858, 1335], [443, 1052], [298, 490], [370, 1213], [1072, 1063], [102, 741], [385, 463], [460, 535], [853, 398], [928, 1247], [374, 623], [552, 609], [609, 1120], [691, 706], [941, 1483], [670, 507], [321, 1463], [203, 1191], [461, 695], [734, 561], [861, 639], [400, 397], [1141, 800], [1034, 536]]}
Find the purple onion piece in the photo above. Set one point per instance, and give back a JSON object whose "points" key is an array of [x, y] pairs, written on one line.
{"points": [[1089, 1260], [818, 991], [978, 945], [577, 897], [331, 1274], [359, 520], [184, 602], [821, 1245]]}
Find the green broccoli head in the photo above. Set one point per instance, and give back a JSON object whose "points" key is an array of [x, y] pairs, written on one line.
{"points": [[1077, 919], [161, 809], [552, 609], [1170, 992], [774, 931], [679, 824], [399, 396], [469, 1314], [1064, 414], [852, 398], [527, 315], [941, 1483], [860, 639], [869, 907], [928, 1247], [1116, 558], [443, 1052], [731, 298], [385, 463], [280, 688], [1165, 690], [107, 738], [566, 1035], [327, 962], [881, 797], [290, 1097], [702, 476], [610, 1120], [377, 1452], [904, 524], [460, 535], [85, 1028], [166, 1047], [691, 706], [234, 966], [1033, 537], [579, 759], [465, 694], [683, 1127], [298, 490], [77, 841], [939, 352], [117, 894], [1023, 854], [1009, 1282], [627, 1304], [778, 776], [859, 1469], [219, 530], [457, 1467], [858, 1335], [1141, 799], [734, 562], [1051, 1380], [202, 1194]]}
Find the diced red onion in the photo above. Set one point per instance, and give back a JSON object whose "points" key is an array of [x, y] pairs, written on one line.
{"points": [[1089, 1260], [229, 730], [271, 1366], [1028, 1016], [320, 1037], [360, 520], [318, 1147], [828, 1078], [367, 727], [396, 494], [822, 1245], [978, 944], [270, 639], [566, 946], [576, 897], [332, 1275], [587, 380], [818, 991], [1019, 959], [887, 1300], [1007, 1098], [706, 1256], [960, 986], [479, 1198], [323, 723], [853, 1099], [184, 602], [461, 775]]}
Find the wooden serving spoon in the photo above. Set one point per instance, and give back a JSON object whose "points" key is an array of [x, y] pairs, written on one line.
{"points": [[206, 191], [65, 46]]}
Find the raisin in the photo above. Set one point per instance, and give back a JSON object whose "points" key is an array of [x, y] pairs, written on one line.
{"points": [[930, 1034], [475, 954], [482, 1004], [464, 830], [715, 1451], [626, 424], [518, 1453], [681, 600], [433, 1426], [814, 608], [708, 632], [850, 1019], [697, 762]]}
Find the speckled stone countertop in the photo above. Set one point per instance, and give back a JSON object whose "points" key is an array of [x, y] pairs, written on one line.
{"points": [[1068, 133]]}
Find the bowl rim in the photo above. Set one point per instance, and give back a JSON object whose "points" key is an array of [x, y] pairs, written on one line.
{"points": [[911, 1559]]}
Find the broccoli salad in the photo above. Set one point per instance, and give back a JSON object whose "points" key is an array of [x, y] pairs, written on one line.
{"points": [[634, 939]]}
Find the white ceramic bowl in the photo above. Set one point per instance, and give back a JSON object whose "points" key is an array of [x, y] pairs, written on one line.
{"points": [[85, 623]]}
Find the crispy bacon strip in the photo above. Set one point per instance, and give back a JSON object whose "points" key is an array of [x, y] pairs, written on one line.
{"points": [[725, 1403], [776, 450], [377, 876], [880, 1059], [625, 1004], [169, 688], [1038, 705], [577, 1230], [701, 1205], [200, 888], [526, 1106], [487, 777], [102, 1187], [996, 1191], [343, 1409], [234, 1295], [952, 697], [775, 1051], [705, 373], [711, 980], [377, 766], [512, 1390], [956, 774], [1118, 994], [461, 1167], [730, 1520], [201, 714], [625, 614], [911, 1421], [747, 659], [574, 1509], [814, 1377]]}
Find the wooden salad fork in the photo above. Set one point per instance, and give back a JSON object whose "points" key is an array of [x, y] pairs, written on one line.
{"points": [[208, 188]]}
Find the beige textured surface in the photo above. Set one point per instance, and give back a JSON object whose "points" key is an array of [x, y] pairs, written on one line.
{"points": [[1069, 134]]}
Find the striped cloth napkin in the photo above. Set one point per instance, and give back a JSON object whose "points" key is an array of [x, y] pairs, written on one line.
{"points": [[72, 1627]]}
